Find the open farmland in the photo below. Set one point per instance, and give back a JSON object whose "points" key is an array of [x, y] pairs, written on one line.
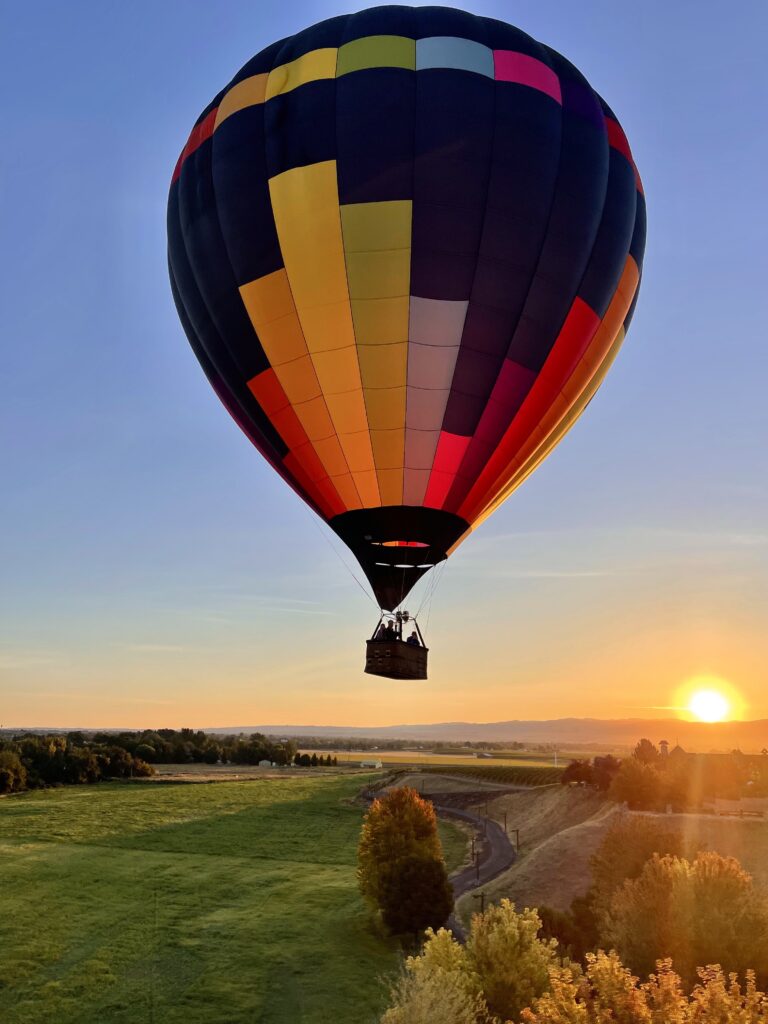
{"points": [[217, 903], [429, 757]]}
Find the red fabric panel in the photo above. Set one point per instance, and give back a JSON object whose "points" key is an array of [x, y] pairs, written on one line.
{"points": [[618, 140], [572, 342], [302, 460], [197, 137], [451, 449], [268, 392]]}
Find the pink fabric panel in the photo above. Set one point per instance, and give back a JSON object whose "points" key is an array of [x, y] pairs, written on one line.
{"points": [[450, 452], [517, 67], [511, 387]]}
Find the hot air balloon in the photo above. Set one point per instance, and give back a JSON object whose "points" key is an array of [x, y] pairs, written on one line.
{"points": [[405, 246]]}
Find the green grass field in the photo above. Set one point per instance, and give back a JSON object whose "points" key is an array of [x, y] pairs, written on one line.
{"points": [[218, 904]]}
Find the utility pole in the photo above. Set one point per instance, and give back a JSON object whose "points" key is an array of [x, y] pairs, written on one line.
{"points": [[517, 839], [480, 896]]}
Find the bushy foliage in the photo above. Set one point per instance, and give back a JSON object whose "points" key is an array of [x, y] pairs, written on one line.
{"points": [[700, 912], [396, 826], [622, 854], [522, 981], [33, 761], [400, 862], [13, 774], [510, 960], [415, 894], [500, 970], [608, 992], [438, 985]]}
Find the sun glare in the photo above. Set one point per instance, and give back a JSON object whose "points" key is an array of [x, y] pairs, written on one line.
{"points": [[709, 706]]}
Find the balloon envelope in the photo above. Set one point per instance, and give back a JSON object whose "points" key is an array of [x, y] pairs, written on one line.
{"points": [[405, 246]]}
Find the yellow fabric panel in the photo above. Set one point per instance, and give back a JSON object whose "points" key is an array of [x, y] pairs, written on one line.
{"points": [[328, 327], [298, 380], [315, 418], [377, 52], [310, 67], [347, 491], [305, 204], [337, 371], [269, 304], [331, 455], [268, 298], [357, 448], [283, 340], [247, 93], [388, 448], [379, 274], [377, 226], [385, 407], [348, 415], [390, 486], [383, 366], [367, 484], [381, 321]]}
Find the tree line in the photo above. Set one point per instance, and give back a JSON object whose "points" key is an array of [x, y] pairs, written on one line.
{"points": [[31, 760], [649, 780], [34, 761]]}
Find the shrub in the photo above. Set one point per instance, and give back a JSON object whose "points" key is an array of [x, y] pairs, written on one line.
{"points": [[397, 826], [13, 774], [697, 913], [415, 894], [607, 991]]}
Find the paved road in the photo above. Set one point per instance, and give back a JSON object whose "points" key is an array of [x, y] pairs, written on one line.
{"points": [[495, 854]]}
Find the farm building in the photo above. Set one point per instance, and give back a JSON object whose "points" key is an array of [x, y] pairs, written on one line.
{"points": [[370, 764]]}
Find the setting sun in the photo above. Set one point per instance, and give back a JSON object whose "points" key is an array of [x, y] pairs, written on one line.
{"points": [[709, 706]]}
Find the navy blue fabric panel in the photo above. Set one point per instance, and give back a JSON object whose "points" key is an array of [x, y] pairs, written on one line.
{"points": [[209, 346], [632, 307], [447, 21], [572, 228], [317, 37], [609, 253], [261, 64], [463, 411], [209, 262], [454, 139], [242, 195], [380, 21], [301, 127], [524, 167], [445, 229], [501, 36], [637, 245], [374, 134]]}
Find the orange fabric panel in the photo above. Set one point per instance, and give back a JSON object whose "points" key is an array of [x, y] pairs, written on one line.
{"points": [[315, 418]]}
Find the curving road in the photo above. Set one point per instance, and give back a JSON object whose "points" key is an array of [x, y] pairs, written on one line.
{"points": [[494, 852]]}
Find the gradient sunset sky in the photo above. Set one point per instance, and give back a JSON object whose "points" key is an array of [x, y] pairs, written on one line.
{"points": [[154, 571]]}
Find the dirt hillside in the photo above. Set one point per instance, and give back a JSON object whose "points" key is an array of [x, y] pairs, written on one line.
{"points": [[561, 827]]}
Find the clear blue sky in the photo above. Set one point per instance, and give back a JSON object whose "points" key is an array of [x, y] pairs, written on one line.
{"points": [[154, 570]]}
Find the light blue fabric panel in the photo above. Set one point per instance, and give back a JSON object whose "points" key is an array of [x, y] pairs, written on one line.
{"points": [[452, 52]]}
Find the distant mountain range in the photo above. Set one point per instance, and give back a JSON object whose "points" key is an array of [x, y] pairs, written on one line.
{"points": [[697, 736]]}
